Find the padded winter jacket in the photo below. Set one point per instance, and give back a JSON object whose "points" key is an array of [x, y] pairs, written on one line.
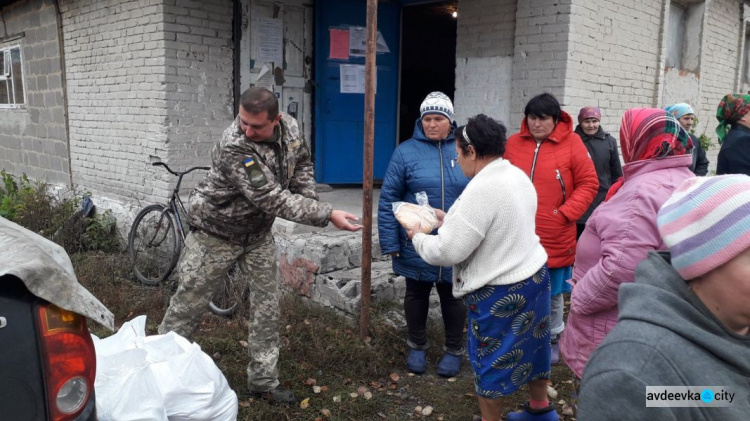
{"points": [[605, 153], [565, 181], [418, 164], [618, 236]]}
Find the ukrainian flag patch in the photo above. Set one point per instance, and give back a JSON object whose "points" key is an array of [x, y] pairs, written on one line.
{"points": [[249, 161]]}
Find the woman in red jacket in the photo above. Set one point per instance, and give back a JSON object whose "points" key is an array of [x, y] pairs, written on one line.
{"points": [[554, 157]]}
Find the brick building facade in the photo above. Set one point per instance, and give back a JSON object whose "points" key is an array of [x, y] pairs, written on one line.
{"points": [[113, 85]]}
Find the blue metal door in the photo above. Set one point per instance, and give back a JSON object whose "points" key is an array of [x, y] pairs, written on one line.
{"points": [[339, 117]]}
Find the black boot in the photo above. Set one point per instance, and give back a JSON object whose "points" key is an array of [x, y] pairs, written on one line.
{"points": [[277, 394]]}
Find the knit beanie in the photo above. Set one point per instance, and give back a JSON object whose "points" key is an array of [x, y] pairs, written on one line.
{"points": [[706, 223], [679, 110], [437, 103], [589, 112]]}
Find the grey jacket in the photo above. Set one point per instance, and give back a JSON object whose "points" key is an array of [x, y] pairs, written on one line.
{"points": [[665, 336]]}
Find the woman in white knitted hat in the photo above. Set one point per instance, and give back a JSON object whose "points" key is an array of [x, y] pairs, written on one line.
{"points": [[425, 163]]}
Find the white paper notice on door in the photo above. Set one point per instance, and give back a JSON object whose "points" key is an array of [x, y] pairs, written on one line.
{"points": [[353, 79], [270, 40]]}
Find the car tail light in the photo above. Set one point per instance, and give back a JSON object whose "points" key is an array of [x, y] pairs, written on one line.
{"points": [[70, 361]]}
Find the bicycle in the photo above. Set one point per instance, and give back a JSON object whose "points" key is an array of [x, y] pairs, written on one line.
{"points": [[156, 239]]}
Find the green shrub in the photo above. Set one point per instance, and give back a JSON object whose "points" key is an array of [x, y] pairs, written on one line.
{"points": [[29, 204]]}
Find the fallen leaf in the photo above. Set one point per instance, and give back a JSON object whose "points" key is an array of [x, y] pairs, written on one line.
{"points": [[244, 404], [395, 377], [551, 392], [324, 388], [427, 411], [567, 381], [337, 398], [452, 380], [561, 402], [325, 412], [411, 374], [288, 327], [217, 355], [567, 410], [382, 415], [361, 390], [418, 410], [310, 382], [376, 385], [368, 395], [305, 403], [354, 394], [392, 386], [440, 418], [307, 322], [316, 389]]}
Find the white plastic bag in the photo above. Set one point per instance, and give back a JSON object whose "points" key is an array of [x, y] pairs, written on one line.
{"points": [[409, 214], [159, 377]]}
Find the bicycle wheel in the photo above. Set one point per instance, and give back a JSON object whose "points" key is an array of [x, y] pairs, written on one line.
{"points": [[228, 299], [154, 244]]}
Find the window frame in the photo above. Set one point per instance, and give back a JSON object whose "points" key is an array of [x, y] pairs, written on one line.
{"points": [[6, 50]]}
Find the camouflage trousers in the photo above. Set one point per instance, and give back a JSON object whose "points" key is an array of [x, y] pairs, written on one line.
{"points": [[201, 271]]}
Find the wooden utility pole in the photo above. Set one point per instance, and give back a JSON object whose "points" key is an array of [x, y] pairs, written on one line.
{"points": [[370, 69]]}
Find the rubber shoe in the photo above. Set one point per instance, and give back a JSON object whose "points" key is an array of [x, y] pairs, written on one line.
{"points": [[528, 414], [277, 394], [554, 353], [449, 365], [416, 361]]}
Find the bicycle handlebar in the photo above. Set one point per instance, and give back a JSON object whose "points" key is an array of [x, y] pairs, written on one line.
{"points": [[161, 164]]}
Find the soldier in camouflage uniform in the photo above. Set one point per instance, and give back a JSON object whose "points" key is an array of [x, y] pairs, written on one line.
{"points": [[260, 169]]}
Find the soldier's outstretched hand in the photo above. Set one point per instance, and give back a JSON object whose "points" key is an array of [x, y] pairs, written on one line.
{"points": [[340, 220]]}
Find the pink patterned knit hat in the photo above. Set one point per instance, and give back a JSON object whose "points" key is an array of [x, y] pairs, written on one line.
{"points": [[706, 223], [589, 112]]}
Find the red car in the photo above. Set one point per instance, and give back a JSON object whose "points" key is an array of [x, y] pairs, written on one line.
{"points": [[47, 362]]}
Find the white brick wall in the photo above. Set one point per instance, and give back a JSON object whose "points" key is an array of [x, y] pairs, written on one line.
{"points": [[114, 55], [484, 58], [148, 80], [199, 57], [613, 58], [540, 54], [33, 139]]}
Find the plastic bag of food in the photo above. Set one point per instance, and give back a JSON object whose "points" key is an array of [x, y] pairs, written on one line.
{"points": [[408, 214]]}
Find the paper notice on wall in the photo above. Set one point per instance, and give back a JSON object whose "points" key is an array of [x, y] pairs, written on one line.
{"points": [[270, 40], [264, 78], [339, 44], [353, 79], [358, 42]]}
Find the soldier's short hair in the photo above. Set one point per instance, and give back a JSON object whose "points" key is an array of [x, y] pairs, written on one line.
{"points": [[255, 100]]}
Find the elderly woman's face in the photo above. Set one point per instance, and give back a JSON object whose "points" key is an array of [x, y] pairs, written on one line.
{"points": [[590, 126], [540, 127], [686, 121], [436, 126]]}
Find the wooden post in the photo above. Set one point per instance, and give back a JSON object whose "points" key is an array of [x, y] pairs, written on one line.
{"points": [[370, 69]]}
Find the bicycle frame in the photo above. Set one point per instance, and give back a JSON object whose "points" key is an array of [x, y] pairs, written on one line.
{"points": [[175, 203]]}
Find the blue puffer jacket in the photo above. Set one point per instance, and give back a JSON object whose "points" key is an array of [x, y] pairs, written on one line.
{"points": [[419, 164]]}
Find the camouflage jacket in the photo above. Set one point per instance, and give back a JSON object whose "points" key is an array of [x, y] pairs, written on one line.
{"points": [[251, 183]]}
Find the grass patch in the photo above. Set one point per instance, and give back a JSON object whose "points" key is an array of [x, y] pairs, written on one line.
{"points": [[319, 348]]}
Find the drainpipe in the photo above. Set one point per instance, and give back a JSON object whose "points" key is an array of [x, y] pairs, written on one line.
{"points": [[64, 83]]}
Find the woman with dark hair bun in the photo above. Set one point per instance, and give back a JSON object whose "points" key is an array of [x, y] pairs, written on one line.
{"points": [[499, 270]]}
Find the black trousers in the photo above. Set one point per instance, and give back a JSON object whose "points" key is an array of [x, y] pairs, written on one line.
{"points": [[417, 305]]}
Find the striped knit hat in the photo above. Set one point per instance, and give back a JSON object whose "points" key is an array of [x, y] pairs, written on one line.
{"points": [[706, 223], [437, 103]]}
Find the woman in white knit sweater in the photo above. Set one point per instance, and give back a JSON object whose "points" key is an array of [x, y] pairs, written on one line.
{"points": [[488, 235]]}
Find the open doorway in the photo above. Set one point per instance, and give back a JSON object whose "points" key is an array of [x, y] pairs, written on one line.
{"points": [[428, 58]]}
